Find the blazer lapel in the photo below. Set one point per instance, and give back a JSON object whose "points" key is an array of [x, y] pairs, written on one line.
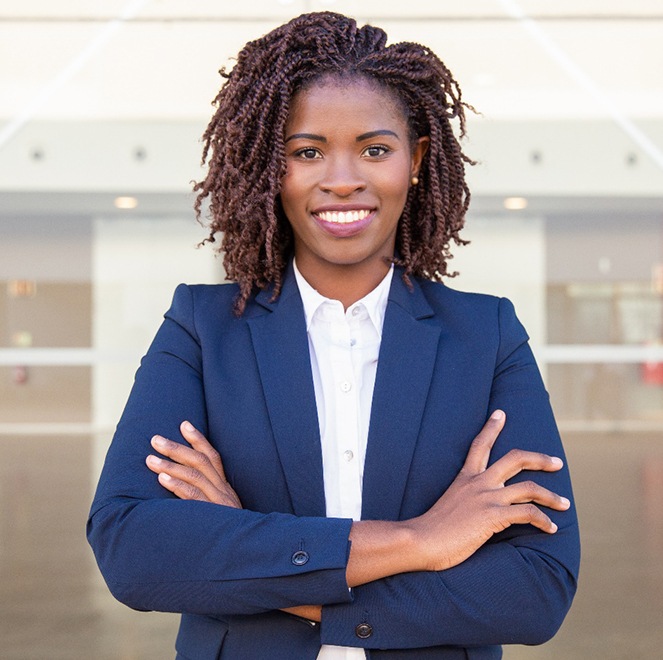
{"points": [[407, 358], [280, 343]]}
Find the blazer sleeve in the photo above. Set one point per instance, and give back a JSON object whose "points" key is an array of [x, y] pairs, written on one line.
{"points": [[516, 588], [158, 552]]}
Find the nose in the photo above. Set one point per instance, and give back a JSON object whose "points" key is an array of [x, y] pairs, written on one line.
{"points": [[342, 177]]}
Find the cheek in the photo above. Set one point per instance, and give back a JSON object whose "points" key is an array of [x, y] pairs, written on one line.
{"points": [[396, 186], [398, 176], [294, 184], [288, 191]]}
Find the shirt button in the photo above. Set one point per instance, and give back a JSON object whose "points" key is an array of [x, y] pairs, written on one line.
{"points": [[299, 558], [355, 311], [346, 386], [353, 342], [364, 630], [348, 455]]}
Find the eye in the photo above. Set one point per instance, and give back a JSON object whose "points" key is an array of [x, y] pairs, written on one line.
{"points": [[308, 153], [376, 150]]}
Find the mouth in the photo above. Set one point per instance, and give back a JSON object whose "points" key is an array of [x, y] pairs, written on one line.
{"points": [[343, 222], [343, 217]]}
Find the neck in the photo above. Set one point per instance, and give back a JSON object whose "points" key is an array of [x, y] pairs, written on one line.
{"points": [[345, 283]]}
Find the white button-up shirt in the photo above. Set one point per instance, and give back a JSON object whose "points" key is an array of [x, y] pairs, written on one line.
{"points": [[344, 347]]}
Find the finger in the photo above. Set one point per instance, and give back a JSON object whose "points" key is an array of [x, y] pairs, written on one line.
{"points": [[529, 491], [189, 457], [200, 443], [530, 514], [479, 452], [194, 481], [518, 460], [183, 490]]}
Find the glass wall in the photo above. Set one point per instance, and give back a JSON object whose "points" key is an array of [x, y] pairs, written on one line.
{"points": [[605, 320], [589, 289], [80, 299]]}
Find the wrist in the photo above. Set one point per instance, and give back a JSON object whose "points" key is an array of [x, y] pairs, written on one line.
{"points": [[425, 551], [380, 549]]}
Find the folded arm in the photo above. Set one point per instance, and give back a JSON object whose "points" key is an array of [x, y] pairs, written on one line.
{"points": [[405, 564], [160, 551]]}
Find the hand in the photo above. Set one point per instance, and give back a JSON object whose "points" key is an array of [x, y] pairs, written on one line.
{"points": [[478, 504], [196, 473], [193, 473]]}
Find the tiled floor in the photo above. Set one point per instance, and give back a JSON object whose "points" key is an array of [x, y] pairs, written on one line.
{"points": [[53, 604]]}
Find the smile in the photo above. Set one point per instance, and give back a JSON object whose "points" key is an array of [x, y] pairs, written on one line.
{"points": [[344, 217]]}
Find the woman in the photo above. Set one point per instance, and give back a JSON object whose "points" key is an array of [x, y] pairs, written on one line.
{"points": [[336, 474]]}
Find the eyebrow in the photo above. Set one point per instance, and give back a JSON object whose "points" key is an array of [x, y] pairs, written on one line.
{"points": [[372, 134], [359, 138], [306, 136]]}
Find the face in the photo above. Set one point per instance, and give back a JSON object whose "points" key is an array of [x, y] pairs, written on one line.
{"points": [[350, 162]]}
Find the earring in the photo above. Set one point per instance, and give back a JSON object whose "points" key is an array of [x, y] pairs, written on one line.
{"points": [[415, 180]]}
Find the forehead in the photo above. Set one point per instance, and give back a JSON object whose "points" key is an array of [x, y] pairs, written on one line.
{"points": [[334, 102]]}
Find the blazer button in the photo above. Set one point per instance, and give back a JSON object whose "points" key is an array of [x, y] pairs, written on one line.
{"points": [[299, 558], [364, 630]]}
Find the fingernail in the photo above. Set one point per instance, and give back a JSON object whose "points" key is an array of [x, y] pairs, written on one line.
{"points": [[188, 426], [557, 462], [498, 414], [158, 441], [564, 502], [553, 527], [153, 461], [164, 477]]}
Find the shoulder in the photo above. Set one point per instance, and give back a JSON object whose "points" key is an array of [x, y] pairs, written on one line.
{"points": [[474, 314], [447, 300], [201, 305], [205, 292]]}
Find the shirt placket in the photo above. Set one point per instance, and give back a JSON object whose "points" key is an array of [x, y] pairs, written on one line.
{"points": [[347, 421]]}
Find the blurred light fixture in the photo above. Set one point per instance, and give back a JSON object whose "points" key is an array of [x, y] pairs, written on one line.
{"points": [[21, 288], [125, 202], [515, 203], [604, 265], [21, 339], [657, 278]]}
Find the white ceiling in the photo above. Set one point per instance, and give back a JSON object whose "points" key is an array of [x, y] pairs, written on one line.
{"points": [[158, 59]]}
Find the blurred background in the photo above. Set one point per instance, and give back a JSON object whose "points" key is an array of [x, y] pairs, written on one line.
{"points": [[102, 104]]}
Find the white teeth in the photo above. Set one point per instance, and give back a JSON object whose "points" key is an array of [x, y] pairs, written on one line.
{"points": [[343, 217]]}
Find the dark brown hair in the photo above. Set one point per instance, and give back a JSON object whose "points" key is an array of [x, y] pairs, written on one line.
{"points": [[244, 149]]}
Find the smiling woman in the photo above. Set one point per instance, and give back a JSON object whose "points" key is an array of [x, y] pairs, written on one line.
{"points": [[245, 143], [346, 183], [337, 456]]}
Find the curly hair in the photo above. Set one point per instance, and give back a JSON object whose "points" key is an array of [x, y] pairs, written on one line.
{"points": [[245, 153]]}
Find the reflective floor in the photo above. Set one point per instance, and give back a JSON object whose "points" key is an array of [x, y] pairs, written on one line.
{"points": [[54, 605]]}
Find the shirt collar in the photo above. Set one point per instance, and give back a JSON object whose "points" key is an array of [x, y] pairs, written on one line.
{"points": [[374, 302]]}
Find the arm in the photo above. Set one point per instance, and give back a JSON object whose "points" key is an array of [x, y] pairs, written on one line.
{"points": [[517, 587], [198, 574], [475, 507], [159, 552]]}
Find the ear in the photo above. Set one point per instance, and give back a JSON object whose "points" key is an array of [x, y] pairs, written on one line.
{"points": [[418, 152]]}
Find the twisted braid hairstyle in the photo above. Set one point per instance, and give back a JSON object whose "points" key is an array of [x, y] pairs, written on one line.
{"points": [[245, 153]]}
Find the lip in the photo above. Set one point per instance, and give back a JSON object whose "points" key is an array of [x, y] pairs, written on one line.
{"points": [[347, 229], [343, 207]]}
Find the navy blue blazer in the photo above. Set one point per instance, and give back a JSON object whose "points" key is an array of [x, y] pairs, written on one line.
{"points": [[447, 360]]}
